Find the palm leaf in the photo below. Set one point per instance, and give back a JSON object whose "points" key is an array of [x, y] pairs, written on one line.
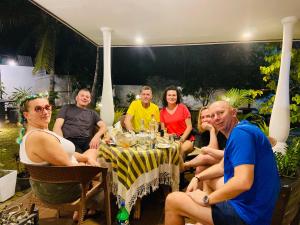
{"points": [[237, 97], [46, 54]]}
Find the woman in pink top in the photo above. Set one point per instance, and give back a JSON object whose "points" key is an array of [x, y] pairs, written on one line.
{"points": [[176, 118]]}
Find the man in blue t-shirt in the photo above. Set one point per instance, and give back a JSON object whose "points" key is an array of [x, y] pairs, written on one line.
{"points": [[247, 193]]}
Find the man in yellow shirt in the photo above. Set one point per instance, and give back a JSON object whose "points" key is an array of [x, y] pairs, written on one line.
{"points": [[141, 111]]}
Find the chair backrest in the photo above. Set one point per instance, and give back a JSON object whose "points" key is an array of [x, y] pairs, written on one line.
{"points": [[69, 174], [64, 174]]}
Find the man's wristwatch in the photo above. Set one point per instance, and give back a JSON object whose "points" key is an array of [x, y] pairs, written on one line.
{"points": [[205, 200]]}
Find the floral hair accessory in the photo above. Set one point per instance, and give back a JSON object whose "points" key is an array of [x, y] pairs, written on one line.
{"points": [[33, 96]]}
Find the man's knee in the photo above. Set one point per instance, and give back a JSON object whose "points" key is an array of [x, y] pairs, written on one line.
{"points": [[186, 147], [174, 199]]}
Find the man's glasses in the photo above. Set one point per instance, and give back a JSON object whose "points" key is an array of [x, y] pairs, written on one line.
{"points": [[40, 109]]}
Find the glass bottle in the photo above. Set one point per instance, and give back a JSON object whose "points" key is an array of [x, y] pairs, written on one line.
{"points": [[142, 126], [153, 124], [122, 215]]}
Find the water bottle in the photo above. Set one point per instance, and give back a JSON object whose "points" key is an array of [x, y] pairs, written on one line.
{"points": [[122, 215]]}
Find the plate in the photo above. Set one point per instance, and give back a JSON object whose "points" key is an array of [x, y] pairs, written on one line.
{"points": [[163, 145], [142, 135]]}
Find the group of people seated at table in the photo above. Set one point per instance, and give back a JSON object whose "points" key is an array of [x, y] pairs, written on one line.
{"points": [[229, 187], [174, 117]]}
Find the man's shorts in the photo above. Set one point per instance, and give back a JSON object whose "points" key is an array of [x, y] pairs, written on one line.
{"points": [[224, 214], [81, 144]]}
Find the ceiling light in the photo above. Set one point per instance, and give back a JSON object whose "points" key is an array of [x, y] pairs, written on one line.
{"points": [[139, 40]]}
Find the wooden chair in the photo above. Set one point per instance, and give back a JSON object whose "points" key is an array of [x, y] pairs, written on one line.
{"points": [[80, 174]]}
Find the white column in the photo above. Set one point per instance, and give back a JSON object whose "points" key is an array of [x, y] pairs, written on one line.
{"points": [[280, 117], [107, 109]]}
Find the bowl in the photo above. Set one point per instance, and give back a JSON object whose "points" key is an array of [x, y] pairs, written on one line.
{"points": [[125, 140]]}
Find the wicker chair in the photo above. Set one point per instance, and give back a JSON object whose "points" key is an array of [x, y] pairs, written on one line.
{"points": [[67, 174]]}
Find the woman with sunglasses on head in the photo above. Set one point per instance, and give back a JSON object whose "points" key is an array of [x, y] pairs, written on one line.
{"points": [[210, 141], [41, 146], [176, 118]]}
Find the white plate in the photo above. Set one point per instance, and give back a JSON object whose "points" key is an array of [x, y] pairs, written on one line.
{"points": [[142, 135], [163, 145]]}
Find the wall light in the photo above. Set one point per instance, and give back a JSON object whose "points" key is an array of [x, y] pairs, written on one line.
{"points": [[11, 62], [247, 35], [139, 40]]}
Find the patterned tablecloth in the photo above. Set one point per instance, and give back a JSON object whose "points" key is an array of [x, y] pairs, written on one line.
{"points": [[136, 171]]}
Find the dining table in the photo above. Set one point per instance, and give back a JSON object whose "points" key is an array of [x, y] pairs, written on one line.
{"points": [[138, 170]]}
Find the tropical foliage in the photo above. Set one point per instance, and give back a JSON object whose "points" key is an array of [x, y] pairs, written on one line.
{"points": [[20, 93], [118, 113], [2, 90], [130, 97], [203, 94], [270, 72], [239, 97], [289, 163]]}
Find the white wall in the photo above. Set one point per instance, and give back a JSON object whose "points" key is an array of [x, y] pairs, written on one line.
{"points": [[21, 77]]}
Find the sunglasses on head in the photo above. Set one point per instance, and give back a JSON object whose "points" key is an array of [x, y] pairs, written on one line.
{"points": [[40, 109]]}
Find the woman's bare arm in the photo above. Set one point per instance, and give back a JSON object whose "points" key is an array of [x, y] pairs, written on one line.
{"points": [[44, 147]]}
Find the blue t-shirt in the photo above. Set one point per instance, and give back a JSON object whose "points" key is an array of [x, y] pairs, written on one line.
{"points": [[248, 145]]}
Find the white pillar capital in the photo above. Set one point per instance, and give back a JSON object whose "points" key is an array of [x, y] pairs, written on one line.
{"points": [[106, 29], [289, 19]]}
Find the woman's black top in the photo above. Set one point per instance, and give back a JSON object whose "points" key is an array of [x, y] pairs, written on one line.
{"points": [[202, 139]]}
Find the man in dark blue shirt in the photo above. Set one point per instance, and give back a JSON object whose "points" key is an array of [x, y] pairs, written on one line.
{"points": [[77, 123]]}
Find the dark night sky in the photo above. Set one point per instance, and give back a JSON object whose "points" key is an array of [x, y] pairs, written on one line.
{"points": [[209, 64]]}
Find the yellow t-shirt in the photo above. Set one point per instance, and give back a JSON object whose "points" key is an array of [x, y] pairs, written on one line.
{"points": [[138, 112]]}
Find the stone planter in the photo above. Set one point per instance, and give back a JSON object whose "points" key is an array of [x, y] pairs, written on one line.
{"points": [[287, 210], [22, 181], [12, 114], [2, 111], [8, 180]]}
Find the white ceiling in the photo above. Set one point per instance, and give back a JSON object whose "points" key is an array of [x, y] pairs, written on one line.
{"points": [[175, 22]]}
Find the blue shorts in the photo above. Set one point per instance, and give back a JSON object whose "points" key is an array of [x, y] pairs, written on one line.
{"points": [[224, 214]]}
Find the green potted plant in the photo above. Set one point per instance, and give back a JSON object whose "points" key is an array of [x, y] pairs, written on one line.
{"points": [[12, 109]]}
